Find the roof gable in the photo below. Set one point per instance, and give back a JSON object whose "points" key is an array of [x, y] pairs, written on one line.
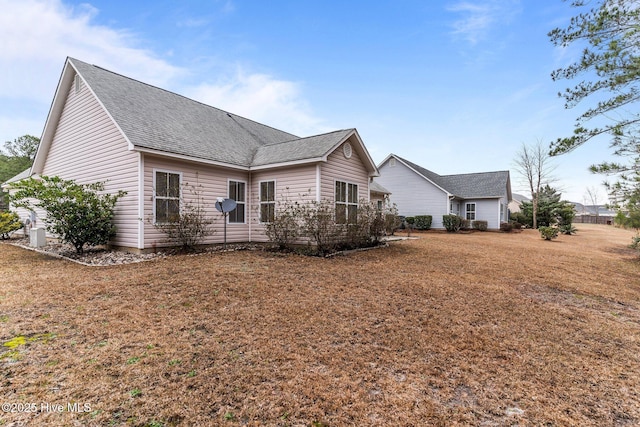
{"points": [[315, 147]]}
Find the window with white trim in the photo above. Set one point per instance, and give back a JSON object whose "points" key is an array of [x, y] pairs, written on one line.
{"points": [[237, 192], [346, 200], [166, 196], [471, 211], [267, 201]]}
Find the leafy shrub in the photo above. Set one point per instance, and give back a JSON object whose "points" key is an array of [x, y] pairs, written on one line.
{"points": [[480, 225], [548, 233], [506, 227], [635, 242], [9, 222], [567, 229], [465, 224], [410, 222], [423, 222], [452, 223], [521, 218], [77, 213], [516, 225]]}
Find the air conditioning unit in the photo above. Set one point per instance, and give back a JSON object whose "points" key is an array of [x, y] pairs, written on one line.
{"points": [[37, 237]]}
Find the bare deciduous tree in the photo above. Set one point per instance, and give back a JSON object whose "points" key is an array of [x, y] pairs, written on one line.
{"points": [[533, 163], [593, 196]]}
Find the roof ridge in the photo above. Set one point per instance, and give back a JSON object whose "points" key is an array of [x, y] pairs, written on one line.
{"points": [[415, 165], [475, 173], [306, 137]]}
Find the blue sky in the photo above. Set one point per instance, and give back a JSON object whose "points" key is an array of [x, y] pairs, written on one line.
{"points": [[456, 86]]}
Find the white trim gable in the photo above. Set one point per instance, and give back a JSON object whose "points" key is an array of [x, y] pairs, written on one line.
{"points": [[360, 149], [66, 82]]}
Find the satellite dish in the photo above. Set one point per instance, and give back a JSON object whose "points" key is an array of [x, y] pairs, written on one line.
{"points": [[225, 205]]}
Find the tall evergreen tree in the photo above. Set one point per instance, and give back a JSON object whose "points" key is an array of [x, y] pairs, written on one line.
{"points": [[610, 32]]}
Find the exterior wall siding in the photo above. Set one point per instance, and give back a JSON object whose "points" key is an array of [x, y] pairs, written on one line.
{"points": [[486, 210], [412, 194], [340, 168], [209, 182], [88, 147], [293, 184]]}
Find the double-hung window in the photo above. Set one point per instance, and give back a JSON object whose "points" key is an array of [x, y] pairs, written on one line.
{"points": [[346, 202], [167, 196], [267, 201], [471, 211], [237, 192]]}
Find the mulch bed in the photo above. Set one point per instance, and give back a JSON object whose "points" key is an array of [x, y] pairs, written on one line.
{"points": [[449, 329]]}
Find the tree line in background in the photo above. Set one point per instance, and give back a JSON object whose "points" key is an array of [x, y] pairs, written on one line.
{"points": [[16, 157]]}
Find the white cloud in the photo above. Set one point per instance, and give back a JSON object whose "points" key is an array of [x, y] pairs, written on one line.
{"points": [[37, 35], [478, 18], [262, 98]]}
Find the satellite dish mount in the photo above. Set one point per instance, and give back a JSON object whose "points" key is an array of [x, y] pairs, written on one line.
{"points": [[225, 206]]}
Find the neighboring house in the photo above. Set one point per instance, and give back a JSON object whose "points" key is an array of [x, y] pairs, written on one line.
{"points": [[593, 214], [516, 202], [419, 191], [379, 195], [158, 145]]}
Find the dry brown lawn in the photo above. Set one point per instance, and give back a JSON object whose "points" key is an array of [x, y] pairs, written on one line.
{"points": [[450, 329]]}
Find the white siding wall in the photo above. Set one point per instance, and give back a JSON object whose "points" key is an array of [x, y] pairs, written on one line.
{"points": [[87, 147], [210, 181], [412, 194], [339, 168], [486, 210], [295, 183]]}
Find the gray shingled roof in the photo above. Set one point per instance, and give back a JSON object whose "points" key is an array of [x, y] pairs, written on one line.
{"points": [[299, 149], [466, 186], [154, 118], [374, 187], [22, 175]]}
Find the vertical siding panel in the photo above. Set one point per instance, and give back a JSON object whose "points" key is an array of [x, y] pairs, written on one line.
{"points": [[88, 147]]}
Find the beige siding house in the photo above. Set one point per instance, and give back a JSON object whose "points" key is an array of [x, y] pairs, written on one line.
{"points": [[163, 149]]}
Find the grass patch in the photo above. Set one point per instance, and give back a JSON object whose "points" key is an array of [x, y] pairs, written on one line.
{"points": [[449, 329]]}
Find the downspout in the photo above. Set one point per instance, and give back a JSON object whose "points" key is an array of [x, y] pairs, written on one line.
{"points": [[141, 198], [249, 211], [318, 186]]}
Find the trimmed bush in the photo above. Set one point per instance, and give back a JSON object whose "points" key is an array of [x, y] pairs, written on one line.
{"points": [[9, 222], [452, 223], [423, 222], [506, 227], [480, 225], [548, 233]]}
